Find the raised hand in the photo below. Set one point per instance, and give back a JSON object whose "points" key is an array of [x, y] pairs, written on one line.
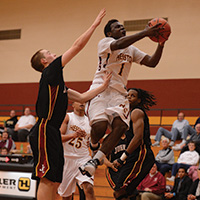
{"points": [[154, 30], [100, 16]]}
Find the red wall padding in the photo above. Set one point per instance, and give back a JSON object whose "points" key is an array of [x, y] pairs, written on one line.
{"points": [[176, 93]]}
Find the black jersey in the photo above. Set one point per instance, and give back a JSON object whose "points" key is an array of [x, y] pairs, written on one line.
{"points": [[137, 164], [146, 133], [118, 150], [52, 99]]}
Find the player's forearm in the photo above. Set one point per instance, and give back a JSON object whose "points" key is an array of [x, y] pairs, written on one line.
{"points": [[152, 61], [90, 94], [68, 137], [155, 58], [86, 96], [80, 43], [128, 40]]}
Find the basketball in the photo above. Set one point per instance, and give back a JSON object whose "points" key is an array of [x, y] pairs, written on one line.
{"points": [[163, 33]]}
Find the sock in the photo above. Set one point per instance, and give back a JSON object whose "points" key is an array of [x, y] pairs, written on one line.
{"points": [[94, 147], [99, 155]]}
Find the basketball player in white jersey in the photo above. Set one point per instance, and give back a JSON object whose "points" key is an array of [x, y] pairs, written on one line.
{"points": [[111, 108], [75, 131]]}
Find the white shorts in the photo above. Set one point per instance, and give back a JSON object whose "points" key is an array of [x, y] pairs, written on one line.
{"points": [[72, 175], [107, 105]]}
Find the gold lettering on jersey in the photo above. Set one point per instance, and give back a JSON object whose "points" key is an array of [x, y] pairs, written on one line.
{"points": [[124, 57], [74, 128]]}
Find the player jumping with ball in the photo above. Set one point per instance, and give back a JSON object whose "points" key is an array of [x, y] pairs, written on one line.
{"points": [[111, 108]]}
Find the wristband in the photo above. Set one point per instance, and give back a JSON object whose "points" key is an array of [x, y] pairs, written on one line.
{"points": [[124, 156], [174, 194], [120, 161]]}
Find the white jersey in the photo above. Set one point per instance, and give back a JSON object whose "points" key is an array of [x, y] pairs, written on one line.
{"points": [[77, 147], [119, 62]]}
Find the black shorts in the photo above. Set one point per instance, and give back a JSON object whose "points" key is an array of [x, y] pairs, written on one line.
{"points": [[133, 171], [46, 144]]}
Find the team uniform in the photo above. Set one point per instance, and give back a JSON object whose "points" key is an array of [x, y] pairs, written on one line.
{"points": [[112, 101], [138, 164], [45, 137], [75, 152]]}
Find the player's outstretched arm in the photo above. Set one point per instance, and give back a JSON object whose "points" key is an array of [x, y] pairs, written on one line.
{"points": [[126, 41], [86, 96], [80, 43]]}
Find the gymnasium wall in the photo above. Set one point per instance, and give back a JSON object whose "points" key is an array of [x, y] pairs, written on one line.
{"points": [[176, 93], [54, 25]]}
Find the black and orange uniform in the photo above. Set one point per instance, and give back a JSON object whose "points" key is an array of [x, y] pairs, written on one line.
{"points": [[45, 137], [119, 149], [138, 163]]}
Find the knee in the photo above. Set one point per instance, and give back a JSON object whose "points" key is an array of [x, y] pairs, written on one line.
{"points": [[174, 130], [120, 126], [160, 130], [187, 127], [145, 196]]}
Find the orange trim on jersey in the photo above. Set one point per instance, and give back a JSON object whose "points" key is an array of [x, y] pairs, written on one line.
{"points": [[110, 181], [43, 165], [53, 92], [137, 166]]}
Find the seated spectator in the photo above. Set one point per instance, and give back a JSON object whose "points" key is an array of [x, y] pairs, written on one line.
{"points": [[177, 130], [181, 186], [165, 157], [186, 160], [188, 130], [152, 186], [24, 125], [195, 137], [194, 192], [9, 125], [192, 172], [4, 151], [7, 141]]}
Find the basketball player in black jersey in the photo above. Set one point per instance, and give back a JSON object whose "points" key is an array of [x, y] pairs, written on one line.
{"points": [[137, 159], [51, 106]]}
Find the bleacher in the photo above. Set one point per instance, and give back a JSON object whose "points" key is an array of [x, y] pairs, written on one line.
{"points": [[101, 186]]}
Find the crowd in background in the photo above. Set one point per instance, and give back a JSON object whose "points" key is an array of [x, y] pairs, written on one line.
{"points": [[185, 172]]}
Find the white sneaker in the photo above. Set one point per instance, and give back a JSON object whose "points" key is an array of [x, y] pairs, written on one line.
{"points": [[171, 178], [157, 143], [182, 143], [176, 148], [89, 167], [171, 143]]}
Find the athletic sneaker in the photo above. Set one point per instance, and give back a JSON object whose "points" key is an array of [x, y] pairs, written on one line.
{"points": [[157, 143], [89, 167], [176, 148], [182, 143]]}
